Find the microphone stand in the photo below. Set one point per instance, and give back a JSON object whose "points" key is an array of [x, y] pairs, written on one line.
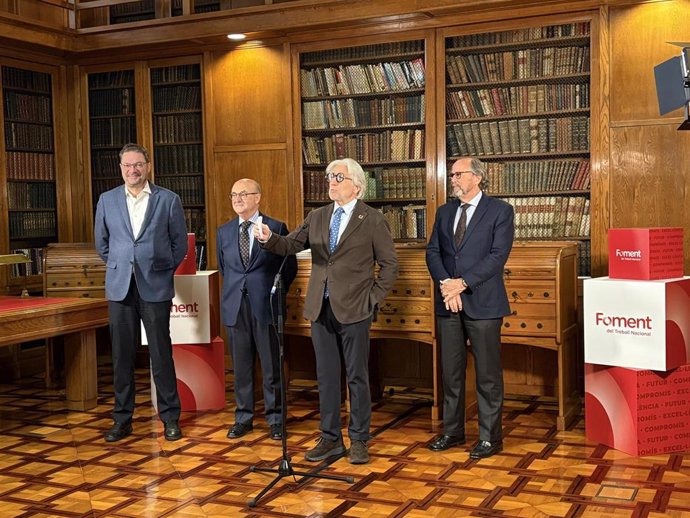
{"points": [[285, 468]]}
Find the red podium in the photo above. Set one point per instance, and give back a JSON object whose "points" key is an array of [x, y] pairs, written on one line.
{"points": [[637, 345], [198, 350]]}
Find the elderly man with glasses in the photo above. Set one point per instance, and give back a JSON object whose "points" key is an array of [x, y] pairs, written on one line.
{"points": [[347, 239], [141, 235], [248, 273]]}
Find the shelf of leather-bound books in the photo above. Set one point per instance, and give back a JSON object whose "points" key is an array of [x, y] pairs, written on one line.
{"points": [[360, 129], [575, 78], [369, 54], [410, 92], [525, 156], [562, 41], [507, 116]]}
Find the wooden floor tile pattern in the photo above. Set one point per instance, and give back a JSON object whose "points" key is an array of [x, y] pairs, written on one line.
{"points": [[54, 463]]}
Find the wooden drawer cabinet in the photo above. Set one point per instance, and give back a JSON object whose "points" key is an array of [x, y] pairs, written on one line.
{"points": [[73, 270], [541, 283]]}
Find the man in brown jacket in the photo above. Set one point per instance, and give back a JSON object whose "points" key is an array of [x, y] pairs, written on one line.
{"points": [[347, 239]]}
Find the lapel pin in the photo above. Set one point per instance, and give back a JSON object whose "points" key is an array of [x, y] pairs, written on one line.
{"points": [[361, 216]]}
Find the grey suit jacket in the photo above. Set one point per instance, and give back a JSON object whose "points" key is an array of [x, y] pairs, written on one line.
{"points": [[354, 290], [153, 256]]}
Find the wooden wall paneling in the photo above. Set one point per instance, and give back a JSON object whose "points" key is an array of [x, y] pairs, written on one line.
{"points": [[144, 107], [4, 203], [213, 216], [78, 158], [63, 179], [292, 153], [600, 212], [266, 166], [250, 97], [84, 144], [650, 178], [639, 41]]}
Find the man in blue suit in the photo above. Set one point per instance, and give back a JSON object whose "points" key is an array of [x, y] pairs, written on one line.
{"points": [[141, 235], [469, 246], [248, 274]]}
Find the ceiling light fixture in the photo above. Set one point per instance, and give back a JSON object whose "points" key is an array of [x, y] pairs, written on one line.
{"points": [[236, 37]]}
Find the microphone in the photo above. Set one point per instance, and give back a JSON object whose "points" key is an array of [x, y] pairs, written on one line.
{"points": [[279, 275]]}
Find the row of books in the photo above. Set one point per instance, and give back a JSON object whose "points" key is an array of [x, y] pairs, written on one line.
{"points": [[132, 8], [408, 222], [180, 159], [176, 97], [584, 258], [517, 100], [175, 73], [35, 267], [101, 185], [196, 222], [352, 113], [538, 176], [111, 102], [385, 146], [551, 216], [519, 136], [32, 224], [190, 189], [400, 183], [363, 79], [105, 163], [22, 165], [31, 108], [26, 79], [112, 132], [117, 78], [28, 136], [519, 64], [28, 195], [520, 35], [169, 129], [363, 51]]}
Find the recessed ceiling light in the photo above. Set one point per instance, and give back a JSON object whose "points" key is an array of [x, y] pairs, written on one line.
{"points": [[236, 37]]}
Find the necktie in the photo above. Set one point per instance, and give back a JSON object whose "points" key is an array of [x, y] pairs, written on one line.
{"points": [[244, 242], [335, 227], [462, 225]]}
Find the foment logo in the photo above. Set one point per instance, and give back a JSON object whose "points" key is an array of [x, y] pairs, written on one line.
{"points": [[623, 322], [628, 254], [184, 308]]}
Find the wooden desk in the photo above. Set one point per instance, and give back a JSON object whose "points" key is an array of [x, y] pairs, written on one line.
{"points": [[36, 318]]}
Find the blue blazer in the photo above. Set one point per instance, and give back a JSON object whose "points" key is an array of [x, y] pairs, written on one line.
{"points": [[257, 278], [479, 260], [153, 256]]}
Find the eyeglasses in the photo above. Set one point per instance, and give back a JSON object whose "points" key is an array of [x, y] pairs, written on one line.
{"points": [[241, 195], [458, 174], [137, 165], [338, 177]]}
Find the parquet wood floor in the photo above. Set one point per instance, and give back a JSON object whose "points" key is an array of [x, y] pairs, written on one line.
{"points": [[54, 463]]}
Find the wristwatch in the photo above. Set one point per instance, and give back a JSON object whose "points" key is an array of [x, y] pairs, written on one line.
{"points": [[464, 283]]}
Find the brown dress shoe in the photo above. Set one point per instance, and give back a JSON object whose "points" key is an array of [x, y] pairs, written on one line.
{"points": [[324, 449]]}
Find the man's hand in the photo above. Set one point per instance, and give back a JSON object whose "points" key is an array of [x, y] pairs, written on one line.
{"points": [[261, 232], [453, 304], [452, 287]]}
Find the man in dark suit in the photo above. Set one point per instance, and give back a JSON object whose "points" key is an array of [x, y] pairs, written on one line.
{"points": [[248, 275], [347, 239], [469, 246], [141, 235]]}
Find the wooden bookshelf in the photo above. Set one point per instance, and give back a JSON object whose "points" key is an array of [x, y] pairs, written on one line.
{"points": [[367, 102], [29, 149], [178, 150], [112, 124], [520, 101]]}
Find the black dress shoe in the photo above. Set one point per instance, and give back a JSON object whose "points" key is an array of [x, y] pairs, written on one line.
{"points": [[484, 449], [118, 432], [276, 432], [239, 429], [444, 442], [171, 431]]}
